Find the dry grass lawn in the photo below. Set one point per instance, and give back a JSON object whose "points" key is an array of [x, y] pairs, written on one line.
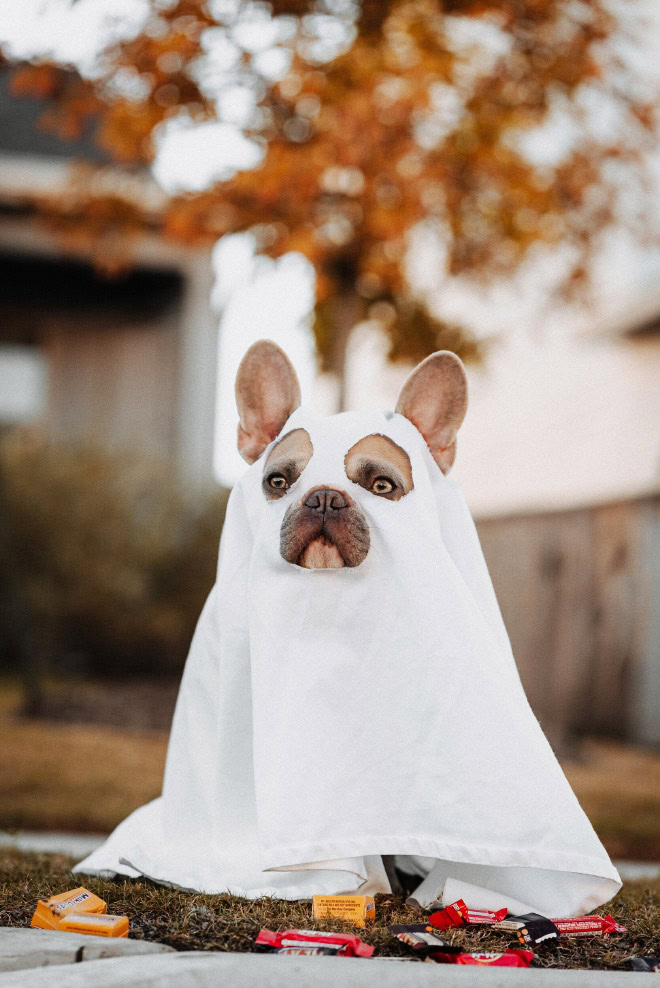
{"points": [[619, 788], [75, 776], [88, 777], [189, 921]]}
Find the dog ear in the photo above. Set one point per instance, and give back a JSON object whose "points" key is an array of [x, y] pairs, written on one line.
{"points": [[434, 398], [267, 392]]}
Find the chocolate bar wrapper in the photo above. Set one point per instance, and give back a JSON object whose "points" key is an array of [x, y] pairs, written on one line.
{"points": [[651, 964], [347, 944], [307, 951], [457, 914], [504, 958], [480, 917], [453, 915], [408, 960], [79, 900], [48, 914], [588, 926], [354, 909], [616, 927], [532, 928], [97, 924], [421, 938]]}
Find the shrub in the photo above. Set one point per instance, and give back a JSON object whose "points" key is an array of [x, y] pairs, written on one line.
{"points": [[114, 563]]}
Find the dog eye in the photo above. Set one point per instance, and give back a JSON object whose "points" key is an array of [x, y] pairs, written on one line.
{"points": [[278, 481], [382, 485]]}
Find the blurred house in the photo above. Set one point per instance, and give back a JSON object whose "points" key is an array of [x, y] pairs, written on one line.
{"points": [[128, 361], [560, 460]]}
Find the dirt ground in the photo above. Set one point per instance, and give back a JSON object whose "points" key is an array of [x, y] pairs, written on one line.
{"points": [[101, 753], [188, 921]]}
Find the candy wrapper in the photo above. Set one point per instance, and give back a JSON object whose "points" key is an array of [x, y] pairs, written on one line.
{"points": [[504, 958], [532, 928], [354, 909], [99, 925], [452, 915], [651, 964], [421, 938], [49, 912], [588, 926], [307, 951], [484, 917], [346, 944], [458, 914]]}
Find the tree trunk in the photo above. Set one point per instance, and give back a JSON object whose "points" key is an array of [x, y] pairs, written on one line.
{"points": [[347, 310]]}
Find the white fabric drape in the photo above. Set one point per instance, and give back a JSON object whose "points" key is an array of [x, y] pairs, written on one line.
{"points": [[328, 717]]}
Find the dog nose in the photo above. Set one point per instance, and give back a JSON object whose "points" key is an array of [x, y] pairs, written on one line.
{"points": [[325, 500]]}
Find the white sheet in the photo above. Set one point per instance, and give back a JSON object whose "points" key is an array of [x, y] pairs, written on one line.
{"points": [[327, 717]]}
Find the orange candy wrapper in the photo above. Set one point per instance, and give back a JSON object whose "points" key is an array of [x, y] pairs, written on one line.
{"points": [[100, 925], [354, 909], [78, 911]]}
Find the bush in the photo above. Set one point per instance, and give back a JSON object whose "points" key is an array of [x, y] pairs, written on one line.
{"points": [[114, 564]]}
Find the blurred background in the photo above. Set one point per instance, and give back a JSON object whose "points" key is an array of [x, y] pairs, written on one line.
{"points": [[365, 182]]}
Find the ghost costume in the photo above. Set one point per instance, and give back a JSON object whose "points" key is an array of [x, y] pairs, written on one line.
{"points": [[328, 717]]}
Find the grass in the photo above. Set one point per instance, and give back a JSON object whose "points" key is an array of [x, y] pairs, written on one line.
{"points": [[618, 786], [188, 921], [88, 777], [75, 776]]}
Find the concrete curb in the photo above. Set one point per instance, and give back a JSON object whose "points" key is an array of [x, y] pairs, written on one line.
{"points": [[57, 842], [24, 949], [214, 970]]}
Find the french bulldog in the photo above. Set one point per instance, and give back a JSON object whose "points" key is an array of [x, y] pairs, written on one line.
{"points": [[324, 528]]}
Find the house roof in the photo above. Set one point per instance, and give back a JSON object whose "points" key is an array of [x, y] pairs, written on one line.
{"points": [[22, 134], [37, 166]]}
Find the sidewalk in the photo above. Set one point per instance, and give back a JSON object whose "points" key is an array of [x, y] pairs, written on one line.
{"points": [[55, 842], [165, 969]]}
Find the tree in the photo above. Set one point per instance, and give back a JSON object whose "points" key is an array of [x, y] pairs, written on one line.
{"points": [[391, 116]]}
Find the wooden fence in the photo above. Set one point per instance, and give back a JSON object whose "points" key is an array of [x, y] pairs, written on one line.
{"points": [[580, 595]]}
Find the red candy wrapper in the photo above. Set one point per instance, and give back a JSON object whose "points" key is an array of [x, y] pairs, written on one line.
{"points": [[588, 926], [484, 916], [505, 958], [458, 914], [453, 915], [307, 951], [347, 944]]}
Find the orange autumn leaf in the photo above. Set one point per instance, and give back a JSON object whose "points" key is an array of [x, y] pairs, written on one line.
{"points": [[400, 125]]}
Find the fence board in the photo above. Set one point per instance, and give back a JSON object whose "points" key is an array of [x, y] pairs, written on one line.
{"points": [[578, 597]]}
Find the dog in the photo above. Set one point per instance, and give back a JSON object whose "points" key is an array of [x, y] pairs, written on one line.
{"points": [[323, 527], [350, 685]]}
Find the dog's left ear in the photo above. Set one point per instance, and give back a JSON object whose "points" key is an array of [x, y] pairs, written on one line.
{"points": [[434, 398], [267, 392]]}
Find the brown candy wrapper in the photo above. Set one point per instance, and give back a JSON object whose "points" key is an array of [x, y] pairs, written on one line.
{"points": [[532, 928], [421, 938]]}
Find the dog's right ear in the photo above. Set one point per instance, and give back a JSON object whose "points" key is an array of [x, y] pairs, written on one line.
{"points": [[267, 392]]}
